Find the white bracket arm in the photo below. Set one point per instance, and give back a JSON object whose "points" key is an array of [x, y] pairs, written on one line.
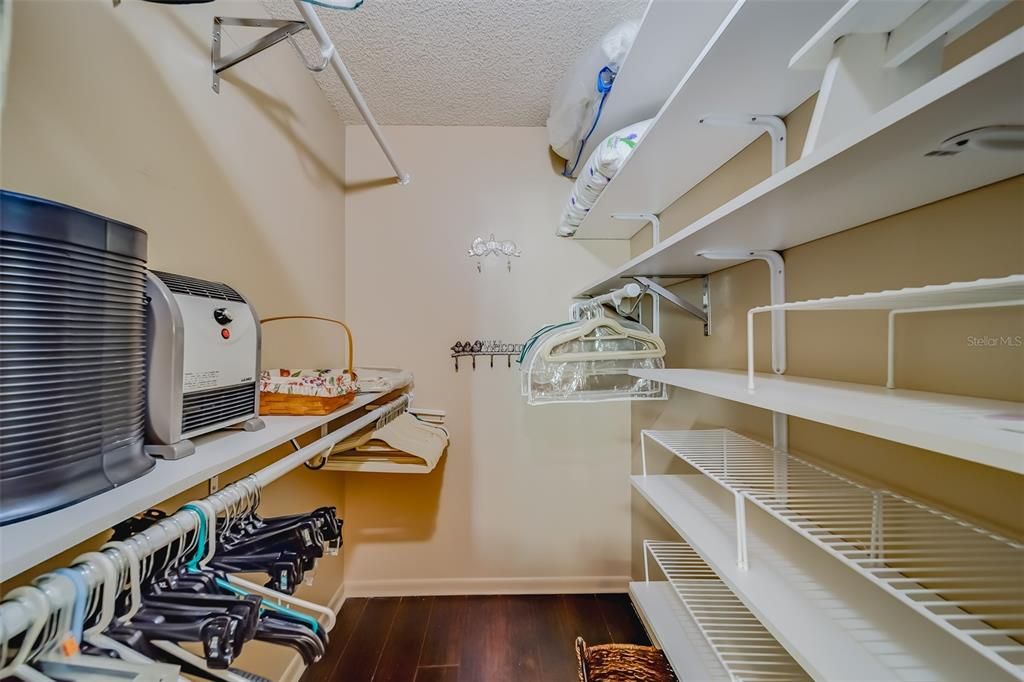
{"points": [[874, 52], [650, 217], [777, 273], [773, 125]]}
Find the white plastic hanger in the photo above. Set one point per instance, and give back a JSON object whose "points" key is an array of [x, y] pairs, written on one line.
{"points": [[652, 346], [34, 601], [98, 668]]}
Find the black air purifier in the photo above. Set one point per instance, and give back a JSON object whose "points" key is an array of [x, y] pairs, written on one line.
{"points": [[72, 355]]}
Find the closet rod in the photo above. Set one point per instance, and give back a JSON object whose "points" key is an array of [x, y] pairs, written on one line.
{"points": [[15, 617], [330, 53]]}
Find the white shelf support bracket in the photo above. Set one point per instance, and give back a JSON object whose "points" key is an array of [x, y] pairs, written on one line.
{"points": [[873, 53], [643, 451], [702, 313], [773, 125], [649, 217], [741, 531], [777, 285], [777, 274]]}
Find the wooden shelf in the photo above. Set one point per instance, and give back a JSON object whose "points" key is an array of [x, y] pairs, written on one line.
{"points": [[671, 36], [874, 171], [836, 624], [30, 542], [741, 69], [989, 432]]}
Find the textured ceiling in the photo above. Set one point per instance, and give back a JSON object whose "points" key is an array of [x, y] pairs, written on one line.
{"points": [[459, 62]]}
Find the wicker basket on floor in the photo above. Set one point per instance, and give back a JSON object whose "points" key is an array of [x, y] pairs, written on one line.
{"points": [[622, 663]]}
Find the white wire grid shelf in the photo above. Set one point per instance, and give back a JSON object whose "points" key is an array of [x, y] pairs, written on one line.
{"points": [[744, 647], [997, 292], [963, 578]]}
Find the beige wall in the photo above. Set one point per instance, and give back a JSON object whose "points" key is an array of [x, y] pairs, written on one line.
{"points": [[973, 235], [111, 110], [528, 498]]}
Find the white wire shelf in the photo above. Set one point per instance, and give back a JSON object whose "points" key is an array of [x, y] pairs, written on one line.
{"points": [[983, 293], [990, 432], [992, 291], [746, 650], [674, 631], [961, 577]]}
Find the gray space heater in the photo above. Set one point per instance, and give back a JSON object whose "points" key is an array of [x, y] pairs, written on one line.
{"points": [[72, 355], [203, 362]]}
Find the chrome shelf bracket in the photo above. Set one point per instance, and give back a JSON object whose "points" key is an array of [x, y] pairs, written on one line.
{"points": [[283, 30], [702, 312]]}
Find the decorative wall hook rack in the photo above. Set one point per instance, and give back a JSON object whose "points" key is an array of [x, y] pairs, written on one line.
{"points": [[480, 248], [464, 349]]}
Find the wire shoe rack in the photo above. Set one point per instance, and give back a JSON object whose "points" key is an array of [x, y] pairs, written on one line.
{"points": [[744, 647], [960, 576]]}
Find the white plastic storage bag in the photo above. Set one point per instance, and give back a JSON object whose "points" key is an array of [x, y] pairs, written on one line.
{"points": [[589, 361], [604, 163], [575, 99]]}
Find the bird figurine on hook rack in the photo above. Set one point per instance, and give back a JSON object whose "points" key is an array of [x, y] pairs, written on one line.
{"points": [[490, 348], [480, 248]]}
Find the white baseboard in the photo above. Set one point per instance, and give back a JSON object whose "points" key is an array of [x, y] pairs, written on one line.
{"points": [[296, 667], [456, 586]]}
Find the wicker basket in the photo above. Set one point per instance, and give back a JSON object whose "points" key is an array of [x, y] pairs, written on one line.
{"points": [[288, 404], [622, 663]]}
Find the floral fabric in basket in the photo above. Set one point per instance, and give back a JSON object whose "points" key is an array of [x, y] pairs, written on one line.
{"points": [[324, 383]]}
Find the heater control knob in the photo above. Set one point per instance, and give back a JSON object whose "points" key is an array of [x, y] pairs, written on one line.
{"points": [[221, 315]]}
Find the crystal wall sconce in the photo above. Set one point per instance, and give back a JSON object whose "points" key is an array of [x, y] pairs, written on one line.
{"points": [[480, 248]]}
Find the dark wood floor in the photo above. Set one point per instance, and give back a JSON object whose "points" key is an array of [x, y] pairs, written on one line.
{"points": [[471, 639]]}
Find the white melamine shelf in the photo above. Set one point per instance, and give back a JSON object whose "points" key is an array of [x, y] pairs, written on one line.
{"points": [[671, 36], [835, 624], [674, 631], [742, 69], [989, 432], [745, 650], [30, 542], [975, 588], [876, 170]]}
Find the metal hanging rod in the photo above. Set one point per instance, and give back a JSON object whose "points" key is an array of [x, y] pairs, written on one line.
{"points": [[286, 30], [644, 285], [16, 615]]}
